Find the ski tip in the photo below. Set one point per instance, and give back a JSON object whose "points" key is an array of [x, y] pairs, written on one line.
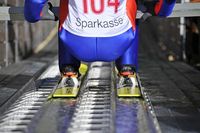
{"points": [[129, 92], [50, 97], [83, 69]]}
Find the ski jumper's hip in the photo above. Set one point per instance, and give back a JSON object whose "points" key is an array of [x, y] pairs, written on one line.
{"points": [[96, 48]]}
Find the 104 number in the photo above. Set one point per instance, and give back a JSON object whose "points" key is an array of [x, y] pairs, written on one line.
{"points": [[110, 3]]}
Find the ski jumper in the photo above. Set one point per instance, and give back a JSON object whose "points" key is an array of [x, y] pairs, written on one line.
{"points": [[97, 30]]}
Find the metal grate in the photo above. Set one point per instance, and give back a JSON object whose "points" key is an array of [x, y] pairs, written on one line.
{"points": [[20, 114], [94, 110]]}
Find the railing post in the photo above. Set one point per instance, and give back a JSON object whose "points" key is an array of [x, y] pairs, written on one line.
{"points": [[183, 56], [6, 42], [16, 38], [183, 38]]}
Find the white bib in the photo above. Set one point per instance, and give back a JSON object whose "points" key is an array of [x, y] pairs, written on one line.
{"points": [[97, 18]]}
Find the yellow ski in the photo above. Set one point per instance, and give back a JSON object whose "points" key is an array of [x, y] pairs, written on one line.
{"points": [[129, 92], [126, 90]]}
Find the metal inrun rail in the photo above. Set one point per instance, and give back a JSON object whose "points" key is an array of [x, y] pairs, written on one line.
{"points": [[20, 114], [94, 111]]}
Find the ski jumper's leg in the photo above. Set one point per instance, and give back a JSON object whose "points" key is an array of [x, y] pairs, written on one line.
{"points": [[164, 8], [73, 48], [130, 57], [65, 57], [33, 10]]}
